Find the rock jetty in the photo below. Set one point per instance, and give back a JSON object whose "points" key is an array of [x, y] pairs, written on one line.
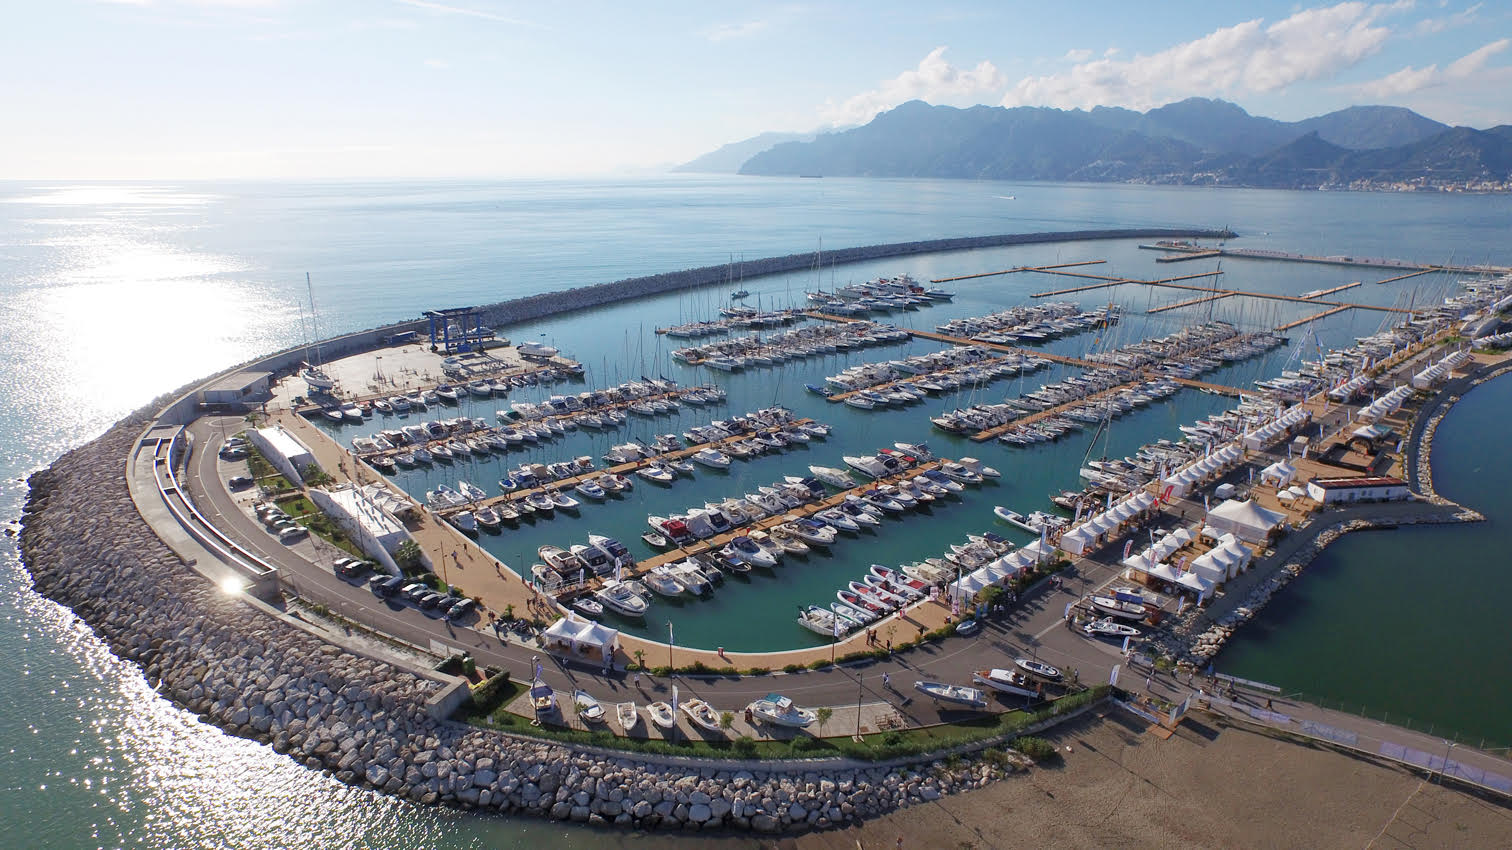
{"points": [[365, 722]]}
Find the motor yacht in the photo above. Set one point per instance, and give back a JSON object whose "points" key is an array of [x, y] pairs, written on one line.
{"points": [[621, 599]]}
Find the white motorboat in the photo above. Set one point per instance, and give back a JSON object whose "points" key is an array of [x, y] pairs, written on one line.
{"points": [[1038, 669], [621, 599], [919, 451], [1110, 628], [839, 519], [661, 580], [859, 616], [957, 472], [317, 379], [812, 531], [656, 473], [589, 709], [656, 540], [465, 522], [790, 543], [780, 711], [1011, 517], [871, 467], [470, 491], [1122, 605], [701, 713], [822, 621], [560, 499], [591, 490], [954, 694], [627, 716], [752, 553], [1008, 681], [588, 607], [661, 714], [691, 577], [712, 458], [488, 518], [833, 477]]}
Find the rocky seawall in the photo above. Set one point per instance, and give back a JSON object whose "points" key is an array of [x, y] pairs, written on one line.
{"points": [[365, 722]]}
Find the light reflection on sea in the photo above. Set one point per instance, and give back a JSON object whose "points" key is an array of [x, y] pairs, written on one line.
{"points": [[117, 293]]}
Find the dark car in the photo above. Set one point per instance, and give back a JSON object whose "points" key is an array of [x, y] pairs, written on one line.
{"points": [[237, 482], [431, 601], [389, 586], [461, 609]]}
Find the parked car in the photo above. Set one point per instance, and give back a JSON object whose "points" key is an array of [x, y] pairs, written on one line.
{"points": [[234, 453], [388, 586], [292, 533], [237, 482], [461, 609]]}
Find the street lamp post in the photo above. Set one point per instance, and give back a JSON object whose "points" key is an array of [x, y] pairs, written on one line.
{"points": [[857, 737]]}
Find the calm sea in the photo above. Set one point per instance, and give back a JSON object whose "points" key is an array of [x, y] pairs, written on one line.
{"points": [[115, 293]]}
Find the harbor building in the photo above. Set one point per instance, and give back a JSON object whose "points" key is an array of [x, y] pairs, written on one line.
{"points": [[1327, 491], [371, 527], [287, 454]]}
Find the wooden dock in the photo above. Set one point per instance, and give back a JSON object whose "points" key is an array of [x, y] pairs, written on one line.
{"points": [[681, 553], [1314, 317], [1171, 284], [1018, 269], [1311, 296], [909, 379], [1119, 281], [1189, 302], [618, 469], [1221, 389], [619, 405], [1405, 276], [1036, 416]]}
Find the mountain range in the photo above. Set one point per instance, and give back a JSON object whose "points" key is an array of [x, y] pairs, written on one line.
{"points": [[1197, 141]]}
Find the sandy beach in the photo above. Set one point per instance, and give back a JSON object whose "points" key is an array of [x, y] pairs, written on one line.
{"points": [[1205, 787]]}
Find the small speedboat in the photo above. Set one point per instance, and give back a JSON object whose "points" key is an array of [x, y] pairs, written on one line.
{"points": [[656, 540], [1110, 628], [656, 473], [627, 716], [780, 711], [1038, 669], [661, 580], [822, 621], [588, 708], [954, 694], [588, 607], [1008, 681], [749, 551], [542, 698], [591, 490], [701, 713], [661, 714]]}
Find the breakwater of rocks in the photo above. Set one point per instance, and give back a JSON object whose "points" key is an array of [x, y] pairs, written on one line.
{"points": [[596, 295], [365, 722]]}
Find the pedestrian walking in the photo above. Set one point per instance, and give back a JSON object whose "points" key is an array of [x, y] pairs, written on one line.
{"points": [[1149, 684], [886, 680], [637, 680]]}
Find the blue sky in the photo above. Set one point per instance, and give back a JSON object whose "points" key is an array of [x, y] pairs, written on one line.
{"points": [[398, 88]]}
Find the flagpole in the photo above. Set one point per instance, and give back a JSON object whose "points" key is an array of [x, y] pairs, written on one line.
{"points": [[669, 648]]}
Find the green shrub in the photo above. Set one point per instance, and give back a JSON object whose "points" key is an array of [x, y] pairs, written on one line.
{"points": [[1038, 749], [820, 664], [757, 671], [744, 746], [793, 668]]}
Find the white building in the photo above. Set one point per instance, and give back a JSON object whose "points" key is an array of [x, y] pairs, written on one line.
{"points": [[282, 449], [368, 525], [1327, 491]]}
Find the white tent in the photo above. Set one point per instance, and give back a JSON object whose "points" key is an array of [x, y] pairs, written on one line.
{"points": [[1164, 572], [1139, 562], [1143, 500], [1099, 525], [1209, 569], [1193, 582], [1039, 552], [1244, 519], [1241, 553], [1123, 511], [581, 636], [1076, 541], [1279, 473], [967, 586], [1183, 535]]}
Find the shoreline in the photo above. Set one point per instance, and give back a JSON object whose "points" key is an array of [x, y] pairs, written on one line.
{"points": [[366, 722]]}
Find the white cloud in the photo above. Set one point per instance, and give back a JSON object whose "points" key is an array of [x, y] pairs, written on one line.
{"points": [[725, 32], [448, 9], [1077, 55], [438, 64], [935, 81], [1458, 19], [1247, 57], [1411, 79]]}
